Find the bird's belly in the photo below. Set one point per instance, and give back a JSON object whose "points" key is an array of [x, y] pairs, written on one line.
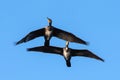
{"points": [[66, 55], [48, 34]]}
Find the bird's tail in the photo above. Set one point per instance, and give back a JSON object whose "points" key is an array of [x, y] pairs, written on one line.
{"points": [[68, 63], [46, 43]]}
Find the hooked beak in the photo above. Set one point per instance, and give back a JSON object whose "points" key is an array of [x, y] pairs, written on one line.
{"points": [[49, 20], [67, 43]]}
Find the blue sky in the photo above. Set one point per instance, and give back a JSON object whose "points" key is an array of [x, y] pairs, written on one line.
{"points": [[96, 21]]}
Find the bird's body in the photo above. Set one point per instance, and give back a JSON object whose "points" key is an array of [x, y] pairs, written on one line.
{"points": [[67, 56], [48, 35], [66, 52], [49, 32]]}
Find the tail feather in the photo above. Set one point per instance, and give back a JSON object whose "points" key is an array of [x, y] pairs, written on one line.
{"points": [[46, 43], [68, 63]]}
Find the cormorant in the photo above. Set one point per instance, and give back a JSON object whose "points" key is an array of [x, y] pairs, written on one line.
{"points": [[66, 52], [50, 31]]}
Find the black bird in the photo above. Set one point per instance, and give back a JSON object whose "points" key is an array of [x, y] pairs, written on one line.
{"points": [[50, 31], [66, 52]]}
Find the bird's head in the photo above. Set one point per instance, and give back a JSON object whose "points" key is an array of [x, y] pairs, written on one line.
{"points": [[49, 21], [66, 47], [67, 43]]}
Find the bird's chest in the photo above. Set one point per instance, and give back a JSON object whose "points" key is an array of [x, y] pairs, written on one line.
{"points": [[66, 54], [48, 32]]}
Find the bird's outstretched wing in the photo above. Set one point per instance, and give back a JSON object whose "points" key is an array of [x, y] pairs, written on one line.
{"points": [[85, 53], [32, 35], [67, 36], [47, 49]]}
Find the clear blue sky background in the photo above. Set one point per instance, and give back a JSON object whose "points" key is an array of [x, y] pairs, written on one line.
{"points": [[96, 21]]}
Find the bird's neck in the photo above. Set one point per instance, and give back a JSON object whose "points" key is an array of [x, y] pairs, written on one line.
{"points": [[50, 24], [66, 48]]}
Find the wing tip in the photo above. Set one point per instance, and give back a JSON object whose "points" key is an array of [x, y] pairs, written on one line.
{"points": [[102, 60], [86, 43], [16, 43], [82, 42], [19, 42], [29, 49]]}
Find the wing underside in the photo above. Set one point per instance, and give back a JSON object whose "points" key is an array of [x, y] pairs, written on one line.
{"points": [[85, 53], [67, 36], [32, 35], [47, 49]]}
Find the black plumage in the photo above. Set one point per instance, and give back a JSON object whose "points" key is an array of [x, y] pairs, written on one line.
{"points": [[50, 31], [60, 51]]}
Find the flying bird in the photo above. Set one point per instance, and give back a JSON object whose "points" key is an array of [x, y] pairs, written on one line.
{"points": [[50, 31], [66, 52]]}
